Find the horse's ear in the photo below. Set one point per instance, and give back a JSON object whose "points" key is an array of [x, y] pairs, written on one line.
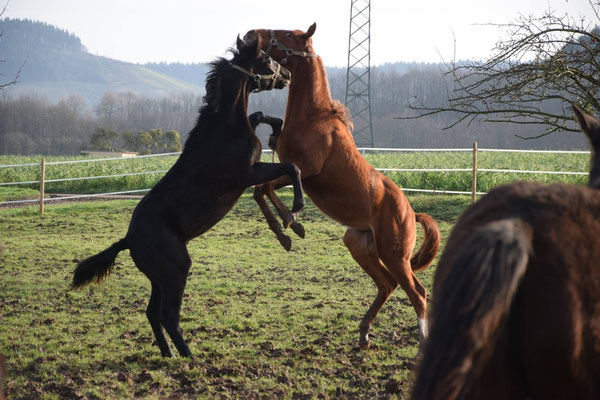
{"points": [[257, 43], [251, 44], [589, 125], [239, 43], [311, 30]]}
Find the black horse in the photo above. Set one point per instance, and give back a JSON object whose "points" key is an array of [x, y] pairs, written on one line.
{"points": [[220, 159]]}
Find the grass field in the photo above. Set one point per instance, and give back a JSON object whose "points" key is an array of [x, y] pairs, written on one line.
{"points": [[459, 181], [261, 322]]}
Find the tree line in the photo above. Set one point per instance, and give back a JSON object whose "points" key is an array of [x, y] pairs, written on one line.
{"points": [[32, 125], [152, 142]]}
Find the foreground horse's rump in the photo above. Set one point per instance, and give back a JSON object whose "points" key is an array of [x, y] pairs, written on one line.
{"points": [[3, 374], [220, 159], [516, 297]]}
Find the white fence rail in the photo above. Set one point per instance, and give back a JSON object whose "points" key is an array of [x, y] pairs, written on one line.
{"points": [[474, 169]]}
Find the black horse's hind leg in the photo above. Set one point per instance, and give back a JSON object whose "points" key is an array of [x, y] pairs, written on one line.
{"points": [[171, 296], [153, 314], [164, 259]]}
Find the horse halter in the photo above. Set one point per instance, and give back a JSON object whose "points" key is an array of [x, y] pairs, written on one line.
{"points": [[288, 52], [260, 78]]}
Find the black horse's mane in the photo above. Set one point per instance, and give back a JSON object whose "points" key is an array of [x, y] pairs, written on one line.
{"points": [[212, 97], [214, 90]]}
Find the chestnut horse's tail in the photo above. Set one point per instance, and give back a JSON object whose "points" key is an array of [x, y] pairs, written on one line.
{"points": [[474, 286], [431, 243], [97, 267]]}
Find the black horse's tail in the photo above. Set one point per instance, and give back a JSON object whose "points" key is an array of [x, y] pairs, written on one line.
{"points": [[97, 267], [475, 283]]}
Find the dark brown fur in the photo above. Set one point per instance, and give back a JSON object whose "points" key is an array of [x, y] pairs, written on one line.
{"points": [[516, 297], [3, 374]]}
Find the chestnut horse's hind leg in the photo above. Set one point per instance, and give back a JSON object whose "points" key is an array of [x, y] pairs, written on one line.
{"points": [[395, 240], [362, 248]]}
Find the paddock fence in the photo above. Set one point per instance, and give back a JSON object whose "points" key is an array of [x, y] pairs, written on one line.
{"points": [[473, 170]]}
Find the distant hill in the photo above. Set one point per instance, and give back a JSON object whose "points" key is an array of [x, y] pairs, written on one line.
{"points": [[55, 64], [191, 73]]}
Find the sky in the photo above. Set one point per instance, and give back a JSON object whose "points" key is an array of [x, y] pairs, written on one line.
{"points": [[190, 31]]}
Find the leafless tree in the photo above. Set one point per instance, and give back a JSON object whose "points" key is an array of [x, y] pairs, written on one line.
{"points": [[18, 74], [544, 64]]}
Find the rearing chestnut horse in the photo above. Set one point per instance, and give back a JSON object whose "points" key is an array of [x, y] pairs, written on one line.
{"points": [[516, 296], [316, 137]]}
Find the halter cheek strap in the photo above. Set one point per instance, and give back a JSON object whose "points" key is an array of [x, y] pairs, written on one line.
{"points": [[288, 52], [260, 78]]}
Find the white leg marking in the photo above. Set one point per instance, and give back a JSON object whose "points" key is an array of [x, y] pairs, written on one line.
{"points": [[423, 328]]}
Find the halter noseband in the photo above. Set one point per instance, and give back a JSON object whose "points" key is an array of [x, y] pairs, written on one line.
{"points": [[288, 52], [259, 78]]}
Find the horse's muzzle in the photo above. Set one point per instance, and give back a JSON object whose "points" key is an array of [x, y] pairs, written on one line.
{"points": [[286, 78]]}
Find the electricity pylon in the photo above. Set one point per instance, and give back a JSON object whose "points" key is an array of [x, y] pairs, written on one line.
{"points": [[358, 75]]}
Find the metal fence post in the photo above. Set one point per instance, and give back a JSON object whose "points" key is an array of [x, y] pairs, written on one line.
{"points": [[42, 184], [474, 177]]}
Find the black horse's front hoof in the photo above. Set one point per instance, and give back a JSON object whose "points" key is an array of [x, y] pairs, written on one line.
{"points": [[297, 207], [256, 117]]}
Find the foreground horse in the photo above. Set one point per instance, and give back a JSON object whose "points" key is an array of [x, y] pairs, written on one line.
{"points": [[220, 159], [516, 297], [316, 137]]}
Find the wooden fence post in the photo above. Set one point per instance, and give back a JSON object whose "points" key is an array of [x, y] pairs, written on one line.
{"points": [[474, 177], [42, 184]]}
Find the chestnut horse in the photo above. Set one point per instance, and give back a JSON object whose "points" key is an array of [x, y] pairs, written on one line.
{"points": [[316, 137], [516, 296]]}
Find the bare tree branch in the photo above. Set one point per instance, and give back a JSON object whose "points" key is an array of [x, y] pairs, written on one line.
{"points": [[18, 74], [532, 76]]}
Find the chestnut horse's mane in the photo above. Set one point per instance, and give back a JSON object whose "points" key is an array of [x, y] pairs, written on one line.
{"points": [[342, 112]]}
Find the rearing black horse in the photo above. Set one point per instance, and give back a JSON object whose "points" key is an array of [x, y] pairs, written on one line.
{"points": [[220, 159]]}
